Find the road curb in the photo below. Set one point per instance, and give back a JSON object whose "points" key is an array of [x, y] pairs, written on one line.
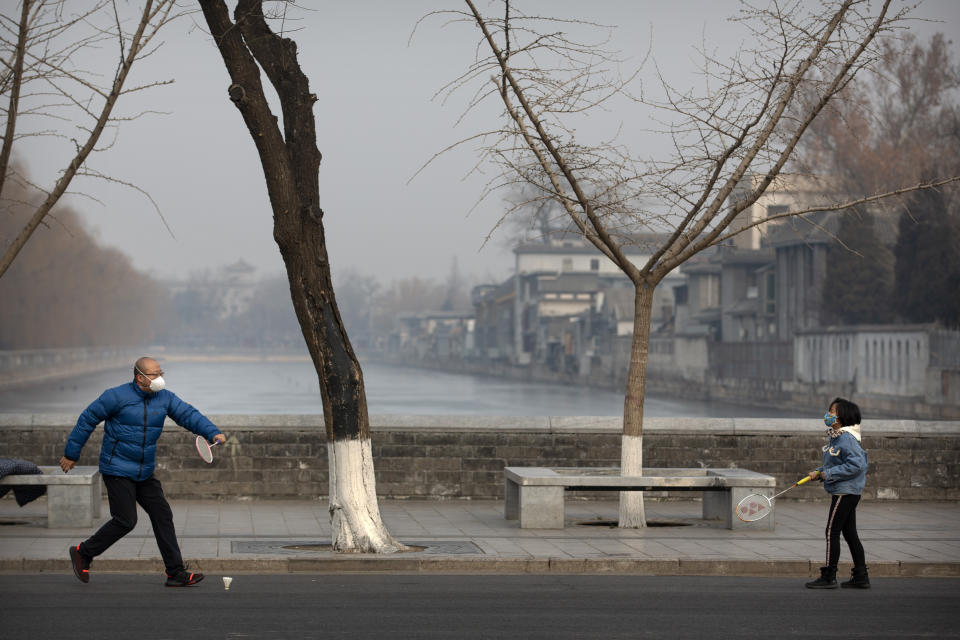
{"points": [[477, 565]]}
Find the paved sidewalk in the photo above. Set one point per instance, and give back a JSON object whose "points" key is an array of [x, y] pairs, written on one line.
{"points": [[901, 539]]}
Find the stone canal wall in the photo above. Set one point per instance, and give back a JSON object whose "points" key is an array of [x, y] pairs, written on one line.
{"points": [[39, 365], [271, 456]]}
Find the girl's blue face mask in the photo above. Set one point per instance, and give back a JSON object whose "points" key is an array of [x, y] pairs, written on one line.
{"points": [[829, 419]]}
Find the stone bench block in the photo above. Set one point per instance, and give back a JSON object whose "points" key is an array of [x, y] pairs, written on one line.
{"points": [[73, 499], [534, 495]]}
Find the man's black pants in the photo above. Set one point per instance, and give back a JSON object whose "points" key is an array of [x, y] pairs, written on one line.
{"points": [[124, 495]]}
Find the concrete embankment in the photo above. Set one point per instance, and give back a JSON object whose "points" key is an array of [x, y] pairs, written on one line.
{"points": [[39, 365], [29, 366], [703, 385]]}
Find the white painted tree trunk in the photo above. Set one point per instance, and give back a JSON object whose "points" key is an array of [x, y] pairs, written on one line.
{"points": [[632, 513], [356, 525]]}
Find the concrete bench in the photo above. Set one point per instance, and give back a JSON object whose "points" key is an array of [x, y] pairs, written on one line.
{"points": [[534, 495], [73, 499]]}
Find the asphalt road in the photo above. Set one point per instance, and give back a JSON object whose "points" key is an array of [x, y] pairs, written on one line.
{"points": [[466, 607]]}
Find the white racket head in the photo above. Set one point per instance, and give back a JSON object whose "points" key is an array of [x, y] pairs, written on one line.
{"points": [[203, 448], [754, 507]]}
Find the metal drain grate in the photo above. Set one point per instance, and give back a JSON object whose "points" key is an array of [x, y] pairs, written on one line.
{"points": [[30, 522], [612, 524], [288, 547]]}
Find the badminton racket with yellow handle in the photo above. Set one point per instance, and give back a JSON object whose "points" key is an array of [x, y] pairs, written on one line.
{"points": [[755, 506]]}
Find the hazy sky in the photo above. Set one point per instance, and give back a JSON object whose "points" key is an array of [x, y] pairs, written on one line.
{"points": [[377, 123]]}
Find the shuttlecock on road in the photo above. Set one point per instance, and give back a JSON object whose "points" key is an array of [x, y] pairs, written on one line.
{"points": [[226, 583]]}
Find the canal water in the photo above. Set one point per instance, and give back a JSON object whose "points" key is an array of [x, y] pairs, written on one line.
{"points": [[267, 387]]}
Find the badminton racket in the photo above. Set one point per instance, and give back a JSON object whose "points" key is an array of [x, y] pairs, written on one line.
{"points": [[755, 506], [203, 448]]}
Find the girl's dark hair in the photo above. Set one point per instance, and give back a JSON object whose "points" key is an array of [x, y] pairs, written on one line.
{"points": [[848, 413]]}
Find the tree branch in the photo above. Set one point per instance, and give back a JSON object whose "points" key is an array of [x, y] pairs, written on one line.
{"points": [[878, 197], [144, 32], [12, 109], [599, 236]]}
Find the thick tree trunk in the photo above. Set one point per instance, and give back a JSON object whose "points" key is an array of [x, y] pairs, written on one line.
{"points": [[291, 163], [356, 522], [631, 449], [354, 512]]}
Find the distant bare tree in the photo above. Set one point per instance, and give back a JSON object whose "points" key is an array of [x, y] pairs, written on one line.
{"points": [[356, 300], [531, 217], [896, 125], [456, 296], [748, 121], [405, 296], [65, 290], [291, 162], [41, 82]]}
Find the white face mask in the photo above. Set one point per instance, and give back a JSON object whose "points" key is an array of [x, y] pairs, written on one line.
{"points": [[157, 384]]}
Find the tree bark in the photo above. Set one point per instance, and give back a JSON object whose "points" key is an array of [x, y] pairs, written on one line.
{"points": [[291, 164], [632, 513]]}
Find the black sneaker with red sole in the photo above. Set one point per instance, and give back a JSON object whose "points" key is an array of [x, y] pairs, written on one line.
{"points": [[80, 564], [183, 578]]}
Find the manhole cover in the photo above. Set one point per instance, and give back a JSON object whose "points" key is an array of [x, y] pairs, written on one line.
{"points": [[328, 548], [297, 547]]}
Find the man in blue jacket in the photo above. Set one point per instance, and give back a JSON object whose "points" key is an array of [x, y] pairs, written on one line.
{"points": [[133, 416]]}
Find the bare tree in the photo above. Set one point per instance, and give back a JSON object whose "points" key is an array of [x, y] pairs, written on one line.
{"points": [[530, 216], [65, 290], [747, 123], [895, 125], [41, 83], [291, 162], [405, 296]]}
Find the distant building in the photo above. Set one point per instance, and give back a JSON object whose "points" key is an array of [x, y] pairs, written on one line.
{"points": [[560, 282], [747, 295], [493, 307], [697, 300], [802, 248], [238, 281], [617, 309], [432, 335], [228, 288], [766, 283], [787, 192]]}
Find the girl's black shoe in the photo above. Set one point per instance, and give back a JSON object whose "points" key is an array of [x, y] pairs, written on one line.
{"points": [[827, 579], [858, 579]]}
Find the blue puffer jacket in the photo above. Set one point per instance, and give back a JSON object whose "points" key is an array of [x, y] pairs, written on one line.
{"points": [[133, 421], [844, 467]]}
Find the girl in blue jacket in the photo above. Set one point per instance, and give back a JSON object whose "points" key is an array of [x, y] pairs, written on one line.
{"points": [[844, 474]]}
